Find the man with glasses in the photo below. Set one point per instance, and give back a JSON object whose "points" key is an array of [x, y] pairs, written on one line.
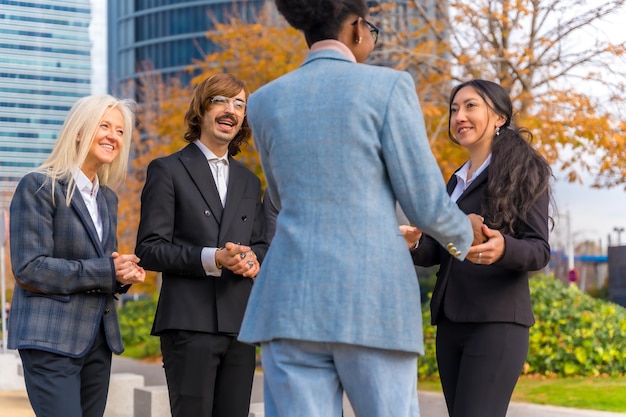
{"points": [[202, 226]]}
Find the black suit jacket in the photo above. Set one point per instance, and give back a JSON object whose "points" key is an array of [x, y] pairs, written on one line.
{"points": [[181, 213], [467, 292]]}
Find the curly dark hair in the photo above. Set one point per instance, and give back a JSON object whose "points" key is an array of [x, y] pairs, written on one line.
{"points": [[320, 19], [220, 84], [519, 175]]}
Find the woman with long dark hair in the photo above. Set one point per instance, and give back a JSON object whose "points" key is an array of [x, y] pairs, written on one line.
{"points": [[481, 305]]}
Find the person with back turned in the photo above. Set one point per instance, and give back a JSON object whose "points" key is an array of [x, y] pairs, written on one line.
{"points": [[336, 305]]}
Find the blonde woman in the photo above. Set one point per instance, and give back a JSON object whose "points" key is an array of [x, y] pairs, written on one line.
{"points": [[64, 256]]}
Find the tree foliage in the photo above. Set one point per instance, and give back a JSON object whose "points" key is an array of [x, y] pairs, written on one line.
{"points": [[159, 132], [256, 53], [564, 73]]}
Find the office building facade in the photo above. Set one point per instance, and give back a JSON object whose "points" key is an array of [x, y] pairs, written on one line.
{"points": [[45, 66], [164, 36]]}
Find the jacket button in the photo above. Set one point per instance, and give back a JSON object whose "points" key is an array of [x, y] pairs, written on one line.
{"points": [[207, 213], [106, 311]]}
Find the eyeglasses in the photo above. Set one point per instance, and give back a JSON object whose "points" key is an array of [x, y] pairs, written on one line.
{"points": [[224, 102], [372, 27]]}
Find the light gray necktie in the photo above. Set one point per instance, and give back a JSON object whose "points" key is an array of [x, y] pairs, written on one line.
{"points": [[220, 178]]}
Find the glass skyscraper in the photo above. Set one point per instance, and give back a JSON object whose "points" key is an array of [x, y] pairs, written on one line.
{"points": [[164, 36], [45, 66]]}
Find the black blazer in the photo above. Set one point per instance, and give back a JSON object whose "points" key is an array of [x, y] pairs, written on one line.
{"points": [[467, 292], [181, 213]]}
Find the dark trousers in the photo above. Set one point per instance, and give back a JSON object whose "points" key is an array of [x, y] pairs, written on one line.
{"points": [[58, 385], [479, 364], [208, 375]]}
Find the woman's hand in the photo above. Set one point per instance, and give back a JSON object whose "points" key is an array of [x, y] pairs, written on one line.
{"points": [[126, 269], [490, 251]]}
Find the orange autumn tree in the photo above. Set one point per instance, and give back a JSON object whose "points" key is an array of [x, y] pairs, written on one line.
{"points": [[412, 40], [529, 46], [158, 133], [259, 53], [256, 53], [564, 73]]}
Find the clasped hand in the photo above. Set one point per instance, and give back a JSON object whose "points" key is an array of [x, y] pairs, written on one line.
{"points": [[126, 269], [413, 234], [488, 252], [239, 259], [487, 246]]}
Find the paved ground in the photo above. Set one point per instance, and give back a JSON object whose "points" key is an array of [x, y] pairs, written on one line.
{"points": [[15, 403]]}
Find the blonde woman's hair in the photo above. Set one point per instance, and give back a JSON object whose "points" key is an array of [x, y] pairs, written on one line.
{"points": [[75, 139]]}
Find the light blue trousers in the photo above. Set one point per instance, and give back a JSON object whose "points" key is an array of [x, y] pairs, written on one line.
{"points": [[307, 379]]}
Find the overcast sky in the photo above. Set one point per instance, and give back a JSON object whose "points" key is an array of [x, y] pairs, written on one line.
{"points": [[593, 213]]}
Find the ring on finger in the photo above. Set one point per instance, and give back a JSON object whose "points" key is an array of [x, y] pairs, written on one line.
{"points": [[242, 255], [250, 264], [480, 255]]}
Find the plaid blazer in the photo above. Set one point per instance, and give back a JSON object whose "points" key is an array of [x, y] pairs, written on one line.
{"points": [[64, 274]]}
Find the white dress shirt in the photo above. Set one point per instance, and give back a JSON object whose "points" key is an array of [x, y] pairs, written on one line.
{"points": [[208, 254], [461, 175], [89, 193]]}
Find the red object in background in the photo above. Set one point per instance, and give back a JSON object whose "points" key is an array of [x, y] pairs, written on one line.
{"points": [[572, 275]]}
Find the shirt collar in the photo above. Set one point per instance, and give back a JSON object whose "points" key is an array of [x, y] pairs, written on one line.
{"points": [[334, 45], [462, 172], [208, 154], [84, 184]]}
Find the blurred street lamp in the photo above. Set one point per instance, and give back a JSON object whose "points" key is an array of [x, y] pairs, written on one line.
{"points": [[619, 231]]}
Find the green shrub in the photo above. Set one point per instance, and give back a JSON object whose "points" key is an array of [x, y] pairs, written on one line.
{"points": [[574, 334], [427, 364], [135, 324]]}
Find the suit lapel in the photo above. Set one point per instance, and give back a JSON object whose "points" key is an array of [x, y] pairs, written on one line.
{"points": [[105, 217], [198, 168], [83, 214], [452, 184], [236, 187], [479, 180]]}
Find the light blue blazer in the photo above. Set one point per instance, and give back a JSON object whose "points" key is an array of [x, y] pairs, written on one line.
{"points": [[339, 143]]}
